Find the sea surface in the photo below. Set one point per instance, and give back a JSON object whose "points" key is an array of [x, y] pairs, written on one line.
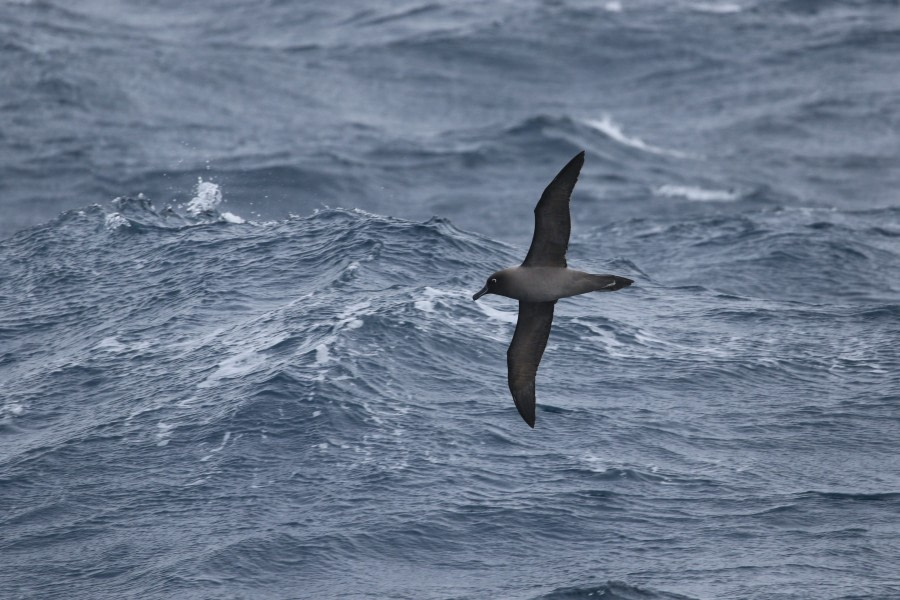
{"points": [[239, 357]]}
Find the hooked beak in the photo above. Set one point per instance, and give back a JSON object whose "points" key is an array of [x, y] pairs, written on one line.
{"points": [[480, 293]]}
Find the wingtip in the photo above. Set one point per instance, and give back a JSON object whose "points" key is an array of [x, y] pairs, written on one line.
{"points": [[530, 419], [567, 176], [579, 158], [526, 410], [574, 165]]}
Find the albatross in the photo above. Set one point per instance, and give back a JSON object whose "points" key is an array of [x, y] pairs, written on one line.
{"points": [[543, 278]]}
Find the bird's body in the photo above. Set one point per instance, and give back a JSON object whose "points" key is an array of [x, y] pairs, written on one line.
{"points": [[548, 284], [541, 280]]}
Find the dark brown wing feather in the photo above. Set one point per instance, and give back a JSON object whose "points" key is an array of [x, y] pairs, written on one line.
{"points": [[525, 351], [551, 219]]}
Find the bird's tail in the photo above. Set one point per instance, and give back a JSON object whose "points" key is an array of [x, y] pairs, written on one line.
{"points": [[610, 283]]}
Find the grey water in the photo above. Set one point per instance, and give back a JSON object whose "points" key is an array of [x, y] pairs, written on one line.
{"points": [[238, 352]]}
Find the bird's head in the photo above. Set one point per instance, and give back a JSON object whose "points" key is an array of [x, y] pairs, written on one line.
{"points": [[492, 286]]}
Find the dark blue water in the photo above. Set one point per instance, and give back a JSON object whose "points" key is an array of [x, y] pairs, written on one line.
{"points": [[238, 352]]}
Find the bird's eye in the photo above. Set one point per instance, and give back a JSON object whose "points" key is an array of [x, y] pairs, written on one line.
{"points": [[493, 281]]}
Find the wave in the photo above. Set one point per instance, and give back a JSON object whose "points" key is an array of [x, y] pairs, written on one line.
{"points": [[230, 386], [614, 131], [789, 254], [324, 364], [612, 590], [219, 294], [891, 497]]}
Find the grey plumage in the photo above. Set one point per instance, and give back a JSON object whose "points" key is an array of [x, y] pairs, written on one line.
{"points": [[542, 279]]}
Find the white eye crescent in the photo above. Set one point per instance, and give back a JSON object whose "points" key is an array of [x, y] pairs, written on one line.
{"points": [[494, 280]]}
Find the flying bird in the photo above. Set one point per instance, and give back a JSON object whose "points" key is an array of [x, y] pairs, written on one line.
{"points": [[541, 280]]}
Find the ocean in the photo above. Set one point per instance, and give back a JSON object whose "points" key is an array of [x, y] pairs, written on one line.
{"points": [[239, 356]]}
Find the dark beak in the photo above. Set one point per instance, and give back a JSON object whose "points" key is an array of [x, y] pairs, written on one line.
{"points": [[480, 293]]}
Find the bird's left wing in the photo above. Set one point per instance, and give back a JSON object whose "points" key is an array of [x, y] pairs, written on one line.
{"points": [[524, 354], [551, 219]]}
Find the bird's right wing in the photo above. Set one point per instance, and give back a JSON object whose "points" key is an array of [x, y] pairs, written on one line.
{"points": [[524, 354], [552, 223]]}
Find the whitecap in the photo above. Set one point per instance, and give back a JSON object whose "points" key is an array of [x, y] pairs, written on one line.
{"points": [[207, 197], [697, 194], [355, 310], [424, 305], [718, 8], [111, 344], [612, 346], [431, 295], [232, 218], [614, 131], [115, 221], [13, 408], [164, 433], [499, 315], [434, 296], [323, 356], [242, 364]]}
